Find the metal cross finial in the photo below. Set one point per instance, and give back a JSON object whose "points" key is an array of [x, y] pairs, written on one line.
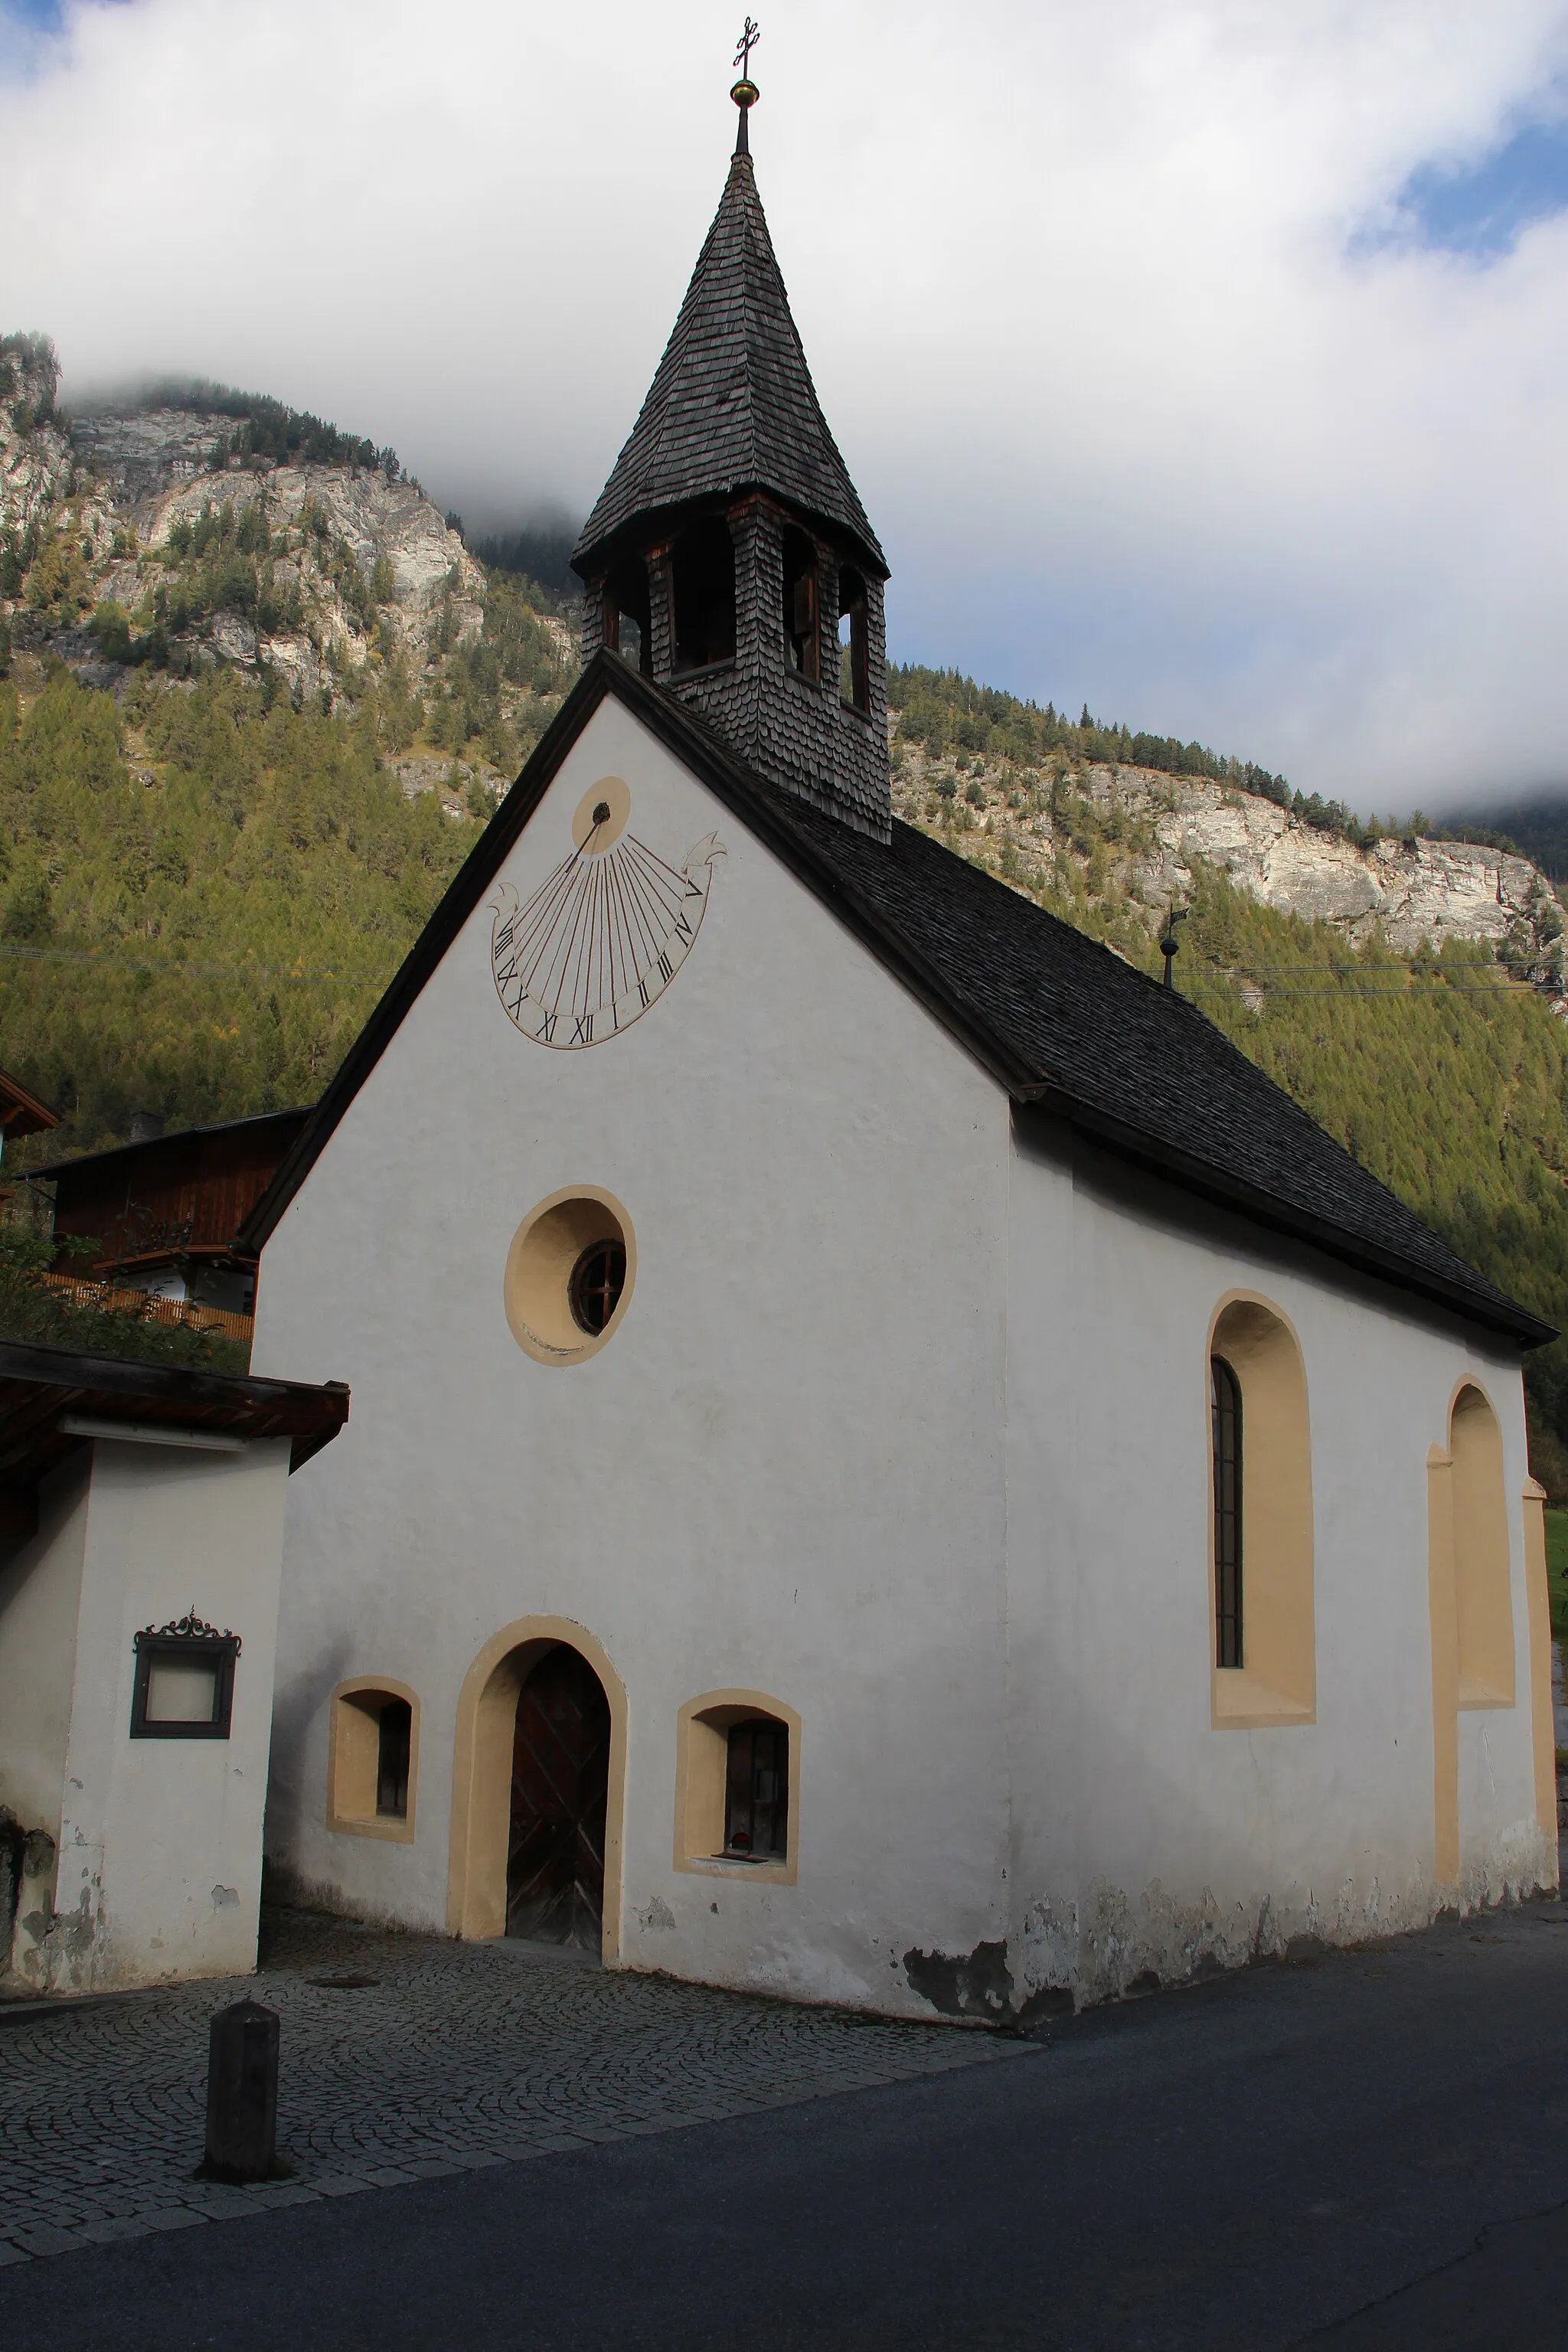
{"points": [[745, 90]]}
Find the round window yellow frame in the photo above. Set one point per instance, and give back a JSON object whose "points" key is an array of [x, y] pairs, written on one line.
{"points": [[544, 1249]]}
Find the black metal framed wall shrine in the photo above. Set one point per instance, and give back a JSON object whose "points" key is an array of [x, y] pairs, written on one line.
{"points": [[183, 1686]]}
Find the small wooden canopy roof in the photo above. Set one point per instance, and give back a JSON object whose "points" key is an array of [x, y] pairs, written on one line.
{"points": [[41, 1386]]}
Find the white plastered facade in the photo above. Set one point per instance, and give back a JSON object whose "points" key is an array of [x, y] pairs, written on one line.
{"points": [[143, 1854], [905, 1424]]}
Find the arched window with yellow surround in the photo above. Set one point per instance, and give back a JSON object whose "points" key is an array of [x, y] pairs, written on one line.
{"points": [[1262, 1636], [737, 1794], [1483, 1601], [1224, 1403]]}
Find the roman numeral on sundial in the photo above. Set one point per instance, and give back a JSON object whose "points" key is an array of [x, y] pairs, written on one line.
{"points": [[597, 927]]}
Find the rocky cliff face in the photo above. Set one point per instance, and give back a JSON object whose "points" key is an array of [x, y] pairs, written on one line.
{"points": [[1415, 892], [34, 456], [109, 507], [1149, 836]]}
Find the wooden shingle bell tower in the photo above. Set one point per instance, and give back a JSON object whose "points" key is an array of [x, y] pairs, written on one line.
{"points": [[728, 556]]}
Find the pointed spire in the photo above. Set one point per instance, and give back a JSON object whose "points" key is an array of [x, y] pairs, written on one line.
{"points": [[732, 405]]}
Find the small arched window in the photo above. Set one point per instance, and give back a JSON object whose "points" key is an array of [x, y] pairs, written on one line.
{"points": [[373, 1758], [625, 613], [737, 1785], [1263, 1640], [756, 1789], [394, 1731], [802, 625], [702, 568], [1225, 1391], [854, 651]]}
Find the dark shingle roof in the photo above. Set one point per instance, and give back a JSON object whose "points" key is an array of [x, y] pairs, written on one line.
{"points": [[732, 404], [1059, 1020], [1119, 1055]]}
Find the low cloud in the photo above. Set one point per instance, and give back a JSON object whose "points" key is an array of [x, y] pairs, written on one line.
{"points": [[1143, 412]]}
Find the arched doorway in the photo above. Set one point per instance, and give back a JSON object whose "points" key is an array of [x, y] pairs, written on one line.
{"points": [[484, 1767], [560, 1781]]}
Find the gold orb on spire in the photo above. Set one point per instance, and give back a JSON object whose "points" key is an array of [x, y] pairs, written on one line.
{"points": [[745, 93]]}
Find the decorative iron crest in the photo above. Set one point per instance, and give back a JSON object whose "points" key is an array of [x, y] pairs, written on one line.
{"points": [[188, 1628]]}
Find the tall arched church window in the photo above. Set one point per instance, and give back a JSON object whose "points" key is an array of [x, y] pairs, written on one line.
{"points": [[1225, 1393], [1482, 1595], [702, 574], [854, 652], [625, 613], [1263, 1666], [802, 625]]}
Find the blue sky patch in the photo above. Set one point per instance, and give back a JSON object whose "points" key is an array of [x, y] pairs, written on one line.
{"points": [[1478, 209], [37, 16]]}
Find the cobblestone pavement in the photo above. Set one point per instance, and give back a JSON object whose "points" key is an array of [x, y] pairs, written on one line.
{"points": [[403, 2058]]}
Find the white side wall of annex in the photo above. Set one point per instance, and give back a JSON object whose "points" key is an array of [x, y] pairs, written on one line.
{"points": [[158, 1873], [40, 1596], [1146, 1838], [784, 1471]]}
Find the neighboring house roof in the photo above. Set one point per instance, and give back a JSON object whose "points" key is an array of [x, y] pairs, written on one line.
{"points": [[732, 405], [169, 1195], [265, 1125], [20, 1112], [39, 1385], [1060, 1022]]}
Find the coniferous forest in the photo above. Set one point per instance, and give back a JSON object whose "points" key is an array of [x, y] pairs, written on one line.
{"points": [[205, 884]]}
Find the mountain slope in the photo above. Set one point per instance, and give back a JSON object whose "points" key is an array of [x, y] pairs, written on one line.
{"points": [[261, 699]]}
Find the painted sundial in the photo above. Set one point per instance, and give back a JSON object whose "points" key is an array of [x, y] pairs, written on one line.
{"points": [[604, 934]]}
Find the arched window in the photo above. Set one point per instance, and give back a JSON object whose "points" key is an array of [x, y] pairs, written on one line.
{"points": [[801, 612], [737, 1778], [625, 613], [375, 1758], [853, 652], [756, 1789], [1482, 1596], [702, 566], [1265, 1669], [1225, 1393]]}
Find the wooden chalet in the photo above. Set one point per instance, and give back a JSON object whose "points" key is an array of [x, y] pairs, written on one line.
{"points": [[164, 1211]]}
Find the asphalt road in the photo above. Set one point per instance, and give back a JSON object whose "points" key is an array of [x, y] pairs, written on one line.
{"points": [[1365, 2148]]}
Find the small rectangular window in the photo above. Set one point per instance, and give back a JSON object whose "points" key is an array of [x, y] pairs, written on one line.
{"points": [[183, 1687], [756, 1795], [854, 641]]}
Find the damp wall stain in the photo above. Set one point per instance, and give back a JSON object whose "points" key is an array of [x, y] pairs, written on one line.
{"points": [[1115, 1947]]}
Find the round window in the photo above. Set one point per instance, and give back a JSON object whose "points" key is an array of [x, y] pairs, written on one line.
{"points": [[569, 1275], [598, 1281]]}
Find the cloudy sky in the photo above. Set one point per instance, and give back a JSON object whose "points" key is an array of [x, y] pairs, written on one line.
{"points": [[1204, 360]]}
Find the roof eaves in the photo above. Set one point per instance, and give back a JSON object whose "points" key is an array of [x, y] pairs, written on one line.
{"points": [[1491, 1309], [37, 1117], [39, 1383], [51, 1169]]}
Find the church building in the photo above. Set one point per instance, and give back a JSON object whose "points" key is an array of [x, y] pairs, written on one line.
{"points": [[890, 1464]]}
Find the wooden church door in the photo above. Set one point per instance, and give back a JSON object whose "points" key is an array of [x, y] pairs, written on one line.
{"points": [[560, 1778]]}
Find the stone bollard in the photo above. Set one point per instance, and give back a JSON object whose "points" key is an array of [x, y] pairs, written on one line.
{"points": [[242, 2094]]}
